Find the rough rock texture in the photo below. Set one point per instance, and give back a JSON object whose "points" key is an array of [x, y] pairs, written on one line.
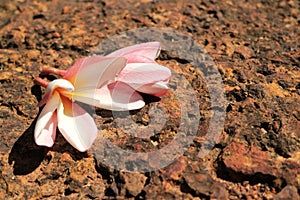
{"points": [[256, 47]]}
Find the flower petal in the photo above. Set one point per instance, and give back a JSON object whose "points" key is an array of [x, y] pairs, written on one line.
{"points": [[80, 63], [157, 89], [115, 96], [144, 73], [76, 125], [146, 77], [139, 53], [57, 83], [48, 133], [94, 71], [45, 128]]}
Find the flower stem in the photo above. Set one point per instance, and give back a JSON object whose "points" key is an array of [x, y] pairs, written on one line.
{"points": [[51, 70], [41, 82]]}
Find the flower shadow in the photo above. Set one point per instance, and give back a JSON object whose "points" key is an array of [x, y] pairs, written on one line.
{"points": [[25, 155]]}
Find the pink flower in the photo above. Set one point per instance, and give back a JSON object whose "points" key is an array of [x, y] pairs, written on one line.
{"points": [[109, 82], [78, 84]]}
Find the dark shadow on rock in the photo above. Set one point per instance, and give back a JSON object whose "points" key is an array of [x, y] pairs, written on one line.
{"points": [[61, 145], [149, 98], [25, 155], [37, 92]]}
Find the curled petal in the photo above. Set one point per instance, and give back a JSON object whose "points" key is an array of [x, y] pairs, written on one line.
{"points": [[76, 125], [94, 71], [157, 89], [146, 77], [115, 96], [138, 59], [64, 85], [45, 128], [139, 53]]}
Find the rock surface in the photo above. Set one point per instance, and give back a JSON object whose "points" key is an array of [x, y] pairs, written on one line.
{"points": [[256, 48]]}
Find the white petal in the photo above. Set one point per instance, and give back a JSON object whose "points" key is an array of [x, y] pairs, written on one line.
{"points": [[59, 83], [48, 133], [115, 96], [76, 125], [45, 128]]}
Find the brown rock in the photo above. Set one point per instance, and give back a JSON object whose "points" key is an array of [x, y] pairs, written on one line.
{"points": [[33, 54], [133, 182], [5, 76], [287, 193], [175, 170], [203, 184], [245, 51], [51, 188]]}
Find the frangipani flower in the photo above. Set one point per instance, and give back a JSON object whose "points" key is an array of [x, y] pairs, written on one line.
{"points": [[75, 124], [109, 82]]}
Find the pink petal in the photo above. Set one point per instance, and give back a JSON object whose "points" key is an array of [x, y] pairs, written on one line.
{"points": [[94, 71], [115, 96], [76, 125], [144, 73], [138, 59], [58, 83], [157, 89], [80, 63], [146, 77], [45, 128], [139, 53]]}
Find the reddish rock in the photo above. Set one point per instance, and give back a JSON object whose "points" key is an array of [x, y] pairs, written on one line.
{"points": [[287, 193], [203, 184], [175, 170], [241, 160]]}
